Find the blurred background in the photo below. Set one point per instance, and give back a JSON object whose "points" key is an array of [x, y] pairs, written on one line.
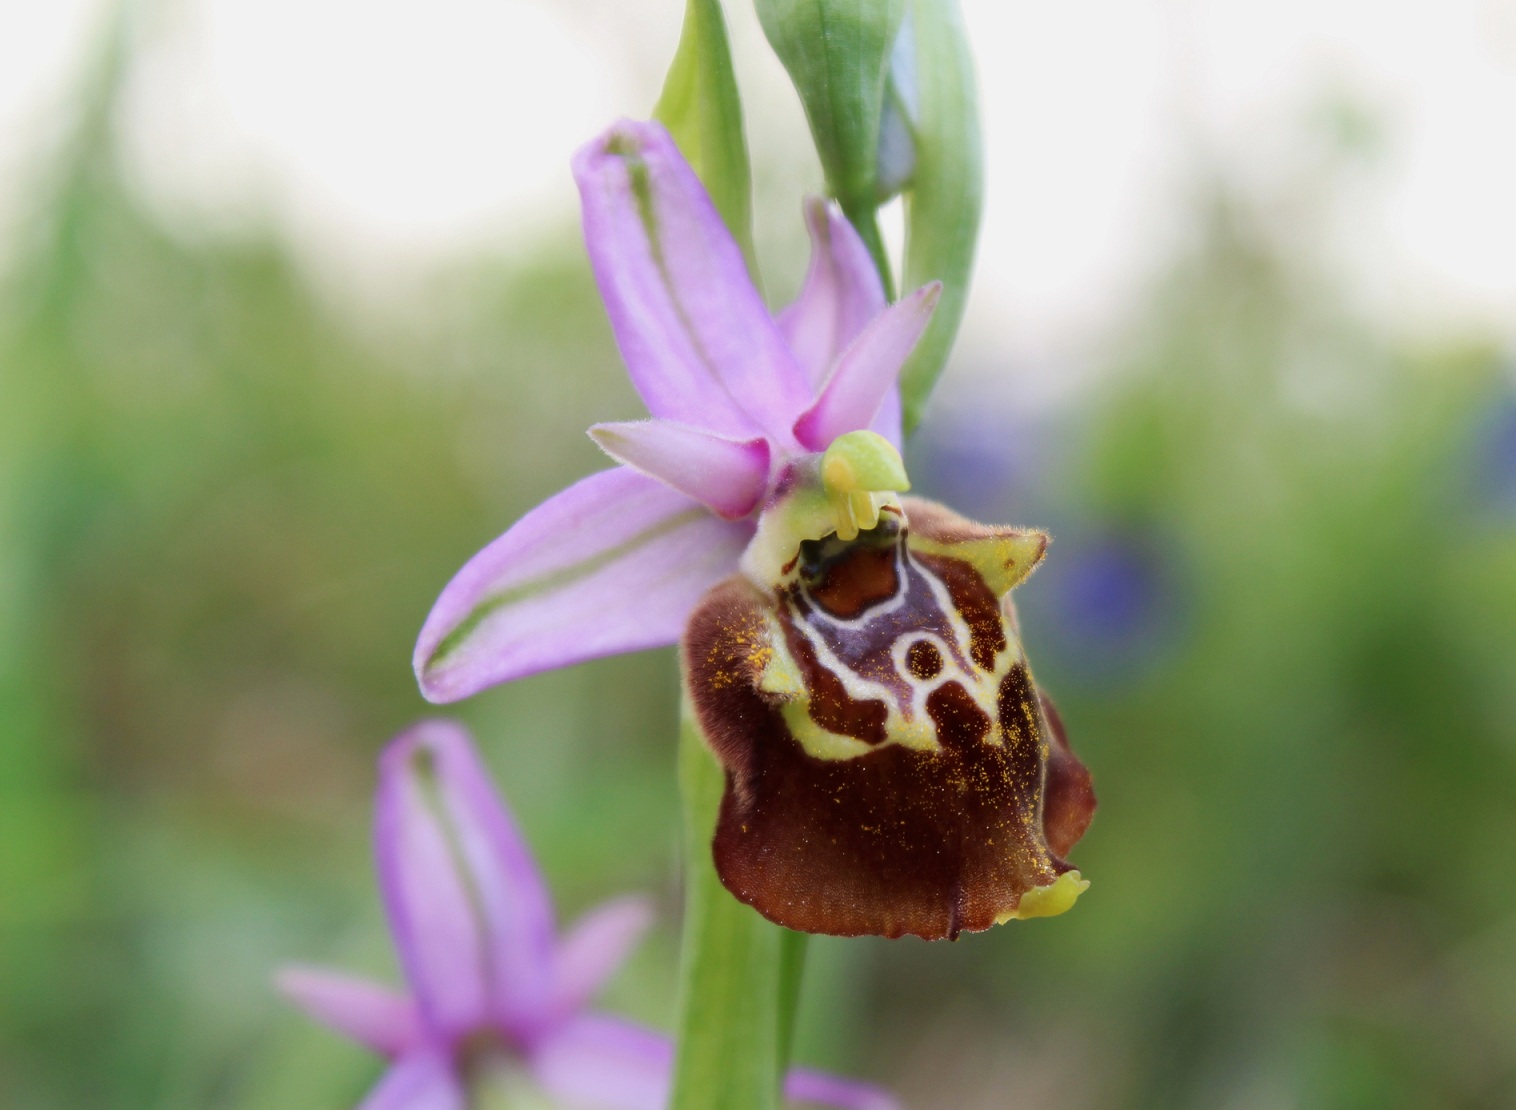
{"points": [[295, 317]]}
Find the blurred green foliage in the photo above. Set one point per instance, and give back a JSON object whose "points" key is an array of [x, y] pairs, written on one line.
{"points": [[224, 515], [225, 509]]}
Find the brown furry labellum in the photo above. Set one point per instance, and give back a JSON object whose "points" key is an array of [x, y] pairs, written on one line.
{"points": [[890, 766]]}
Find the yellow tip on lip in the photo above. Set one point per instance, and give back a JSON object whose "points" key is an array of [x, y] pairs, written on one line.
{"points": [[1057, 897]]}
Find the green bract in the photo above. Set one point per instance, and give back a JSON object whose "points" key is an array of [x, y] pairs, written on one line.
{"points": [[888, 88], [942, 216], [838, 53], [701, 108]]}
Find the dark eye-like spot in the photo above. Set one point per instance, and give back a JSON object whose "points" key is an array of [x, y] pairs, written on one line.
{"points": [[923, 659], [845, 577], [816, 556]]}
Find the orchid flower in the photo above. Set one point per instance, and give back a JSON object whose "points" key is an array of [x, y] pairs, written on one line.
{"points": [[496, 1013], [618, 561], [852, 657]]}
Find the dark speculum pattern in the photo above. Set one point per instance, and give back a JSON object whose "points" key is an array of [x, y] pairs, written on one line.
{"points": [[923, 659], [891, 768]]}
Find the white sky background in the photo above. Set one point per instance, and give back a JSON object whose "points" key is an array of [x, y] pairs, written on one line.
{"points": [[386, 136]]}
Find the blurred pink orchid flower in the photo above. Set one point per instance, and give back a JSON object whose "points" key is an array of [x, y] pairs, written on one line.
{"points": [[497, 999], [619, 560]]}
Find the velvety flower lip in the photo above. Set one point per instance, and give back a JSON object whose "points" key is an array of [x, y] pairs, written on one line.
{"points": [[488, 977], [619, 560], [890, 766]]}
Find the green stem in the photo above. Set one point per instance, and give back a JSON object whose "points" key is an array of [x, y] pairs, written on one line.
{"points": [[740, 975], [865, 221], [792, 946]]}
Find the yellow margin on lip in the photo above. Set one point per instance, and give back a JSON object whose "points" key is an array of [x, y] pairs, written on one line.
{"points": [[1057, 897], [1003, 560]]}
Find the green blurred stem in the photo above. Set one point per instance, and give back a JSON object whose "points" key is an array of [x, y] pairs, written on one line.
{"points": [[740, 975], [792, 946], [865, 221]]}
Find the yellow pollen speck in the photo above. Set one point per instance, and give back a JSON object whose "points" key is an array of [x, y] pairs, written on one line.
{"points": [[1057, 897]]}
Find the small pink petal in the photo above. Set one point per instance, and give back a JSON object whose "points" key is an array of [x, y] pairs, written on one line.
{"points": [[841, 294], [376, 1017], [867, 371], [728, 475], [594, 948], [614, 563], [600, 1062], [440, 939], [472, 919], [609, 1064], [421, 1081], [698, 341], [804, 1085], [887, 420]]}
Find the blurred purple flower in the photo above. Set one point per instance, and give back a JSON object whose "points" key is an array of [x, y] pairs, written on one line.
{"points": [[1495, 441], [1111, 607], [984, 458], [497, 999], [1110, 593], [618, 561]]}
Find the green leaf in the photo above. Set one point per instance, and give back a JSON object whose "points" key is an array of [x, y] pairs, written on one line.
{"points": [[837, 53], [942, 208], [740, 975], [701, 108]]}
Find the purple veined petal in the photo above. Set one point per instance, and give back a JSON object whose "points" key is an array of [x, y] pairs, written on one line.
{"points": [[420, 1081], [697, 338], [596, 945], [816, 1087], [606, 1064], [727, 475], [438, 933], [841, 293], [614, 563], [376, 1017], [506, 890], [472, 919], [866, 373]]}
